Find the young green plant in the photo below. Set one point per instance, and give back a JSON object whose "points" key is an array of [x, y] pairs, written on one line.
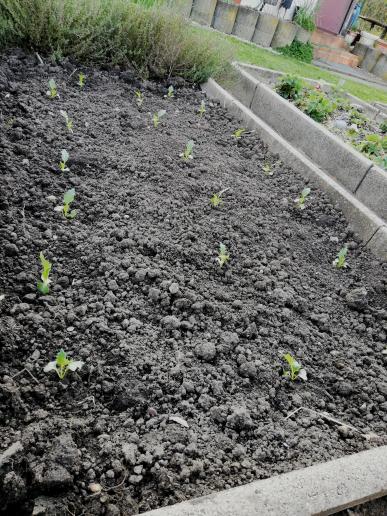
{"points": [[340, 262], [81, 80], [267, 169], [68, 198], [300, 201], [157, 116], [63, 164], [171, 92], [187, 154], [53, 91], [139, 98], [216, 199], [223, 256], [43, 286], [68, 121], [238, 133], [62, 365], [202, 108], [294, 369]]}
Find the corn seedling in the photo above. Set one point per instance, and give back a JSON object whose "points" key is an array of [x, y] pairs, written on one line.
{"points": [[81, 80], [187, 154], [68, 121], [139, 98], [340, 262], [202, 108], [61, 365], [46, 269], [238, 133], [68, 198], [157, 116], [63, 164], [223, 256], [53, 91], [267, 170], [171, 92], [294, 369], [300, 201], [216, 199]]}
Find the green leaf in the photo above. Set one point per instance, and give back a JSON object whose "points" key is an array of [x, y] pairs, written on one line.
{"points": [[52, 84], [69, 196], [305, 192], [65, 156], [43, 288], [61, 359], [161, 113], [190, 146], [72, 214], [46, 267]]}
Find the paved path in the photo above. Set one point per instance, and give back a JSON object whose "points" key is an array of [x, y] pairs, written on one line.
{"points": [[358, 74]]}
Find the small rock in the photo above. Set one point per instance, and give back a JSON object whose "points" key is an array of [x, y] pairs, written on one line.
{"points": [[171, 322], [11, 250], [357, 298], [206, 351], [174, 288]]}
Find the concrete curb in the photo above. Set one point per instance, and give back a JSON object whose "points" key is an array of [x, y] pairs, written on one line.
{"points": [[371, 228], [318, 490]]}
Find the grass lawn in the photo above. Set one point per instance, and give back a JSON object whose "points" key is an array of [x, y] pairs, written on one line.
{"points": [[249, 53]]}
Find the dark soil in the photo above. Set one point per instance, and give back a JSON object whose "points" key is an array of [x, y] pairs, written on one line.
{"points": [[137, 294]]}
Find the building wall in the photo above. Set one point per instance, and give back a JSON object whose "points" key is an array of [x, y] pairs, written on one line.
{"points": [[271, 9]]}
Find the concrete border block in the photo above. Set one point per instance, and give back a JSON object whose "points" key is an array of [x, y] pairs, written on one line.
{"points": [[245, 23], [378, 242], [265, 29], [321, 489], [370, 58], [303, 35], [203, 11], [224, 17], [284, 35], [372, 191]]}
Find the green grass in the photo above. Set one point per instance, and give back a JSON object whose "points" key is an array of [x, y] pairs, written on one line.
{"points": [[249, 53]]}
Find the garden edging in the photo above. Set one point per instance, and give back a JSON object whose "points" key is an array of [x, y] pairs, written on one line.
{"points": [[371, 227]]}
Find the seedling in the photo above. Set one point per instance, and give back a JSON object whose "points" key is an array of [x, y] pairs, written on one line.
{"points": [[289, 87], [63, 164], [68, 198], [171, 92], [46, 269], [202, 108], [68, 121], [267, 170], [217, 200], [300, 201], [53, 91], [223, 256], [340, 262], [81, 80], [61, 365], [294, 370], [238, 133], [187, 154], [157, 116], [139, 98]]}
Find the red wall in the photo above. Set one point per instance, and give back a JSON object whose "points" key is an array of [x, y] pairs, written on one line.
{"points": [[332, 14]]}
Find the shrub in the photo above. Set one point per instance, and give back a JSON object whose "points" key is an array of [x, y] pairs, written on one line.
{"points": [[289, 87], [300, 51], [305, 19], [156, 40]]}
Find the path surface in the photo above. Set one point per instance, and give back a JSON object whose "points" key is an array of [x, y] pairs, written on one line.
{"points": [[354, 73]]}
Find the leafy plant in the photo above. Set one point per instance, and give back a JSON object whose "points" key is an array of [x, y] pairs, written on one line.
{"points": [[317, 105], [238, 133], [374, 145], [305, 19], [340, 262], [223, 256], [298, 50], [300, 201], [139, 98], [187, 154], [216, 199], [62, 365], [63, 164], [68, 198], [46, 269], [267, 169], [68, 121], [294, 369], [157, 116], [81, 80], [383, 127], [171, 91], [202, 108], [289, 87], [53, 91]]}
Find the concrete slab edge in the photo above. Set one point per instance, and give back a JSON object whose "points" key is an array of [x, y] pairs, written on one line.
{"points": [[363, 220], [322, 489]]}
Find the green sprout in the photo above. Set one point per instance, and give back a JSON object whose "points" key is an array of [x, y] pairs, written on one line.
{"points": [[157, 116], [223, 256], [267, 170], [294, 370], [187, 154], [216, 199], [139, 98], [53, 91], [340, 262], [300, 201], [171, 91], [61, 365], [46, 269], [63, 164], [68, 121], [68, 198], [81, 80], [238, 133], [202, 108]]}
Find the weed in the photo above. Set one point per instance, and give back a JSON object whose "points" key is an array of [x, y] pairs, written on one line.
{"points": [[68, 198], [63, 164], [300, 201], [187, 154], [216, 199], [139, 98], [298, 50], [68, 121], [223, 256], [202, 108], [61, 365], [157, 116], [289, 87], [340, 262], [305, 17], [294, 369], [81, 80], [53, 91], [383, 127], [317, 105], [171, 91], [238, 133], [374, 145], [46, 269], [267, 169]]}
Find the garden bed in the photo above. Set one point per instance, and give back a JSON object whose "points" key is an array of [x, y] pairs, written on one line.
{"points": [[137, 294]]}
